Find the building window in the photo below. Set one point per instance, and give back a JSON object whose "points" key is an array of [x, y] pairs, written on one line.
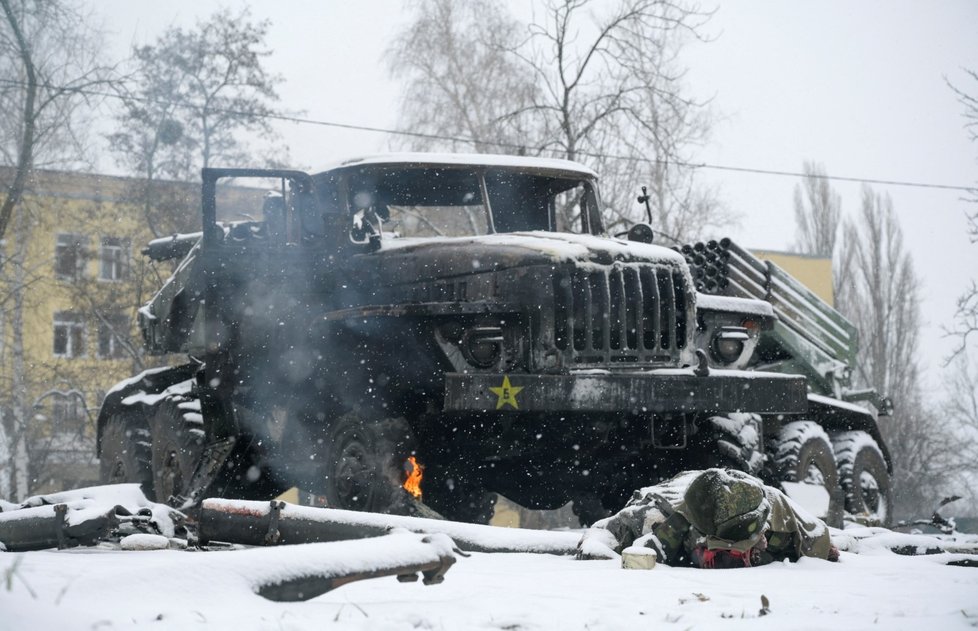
{"points": [[113, 258], [112, 330], [67, 412], [69, 334], [69, 256]]}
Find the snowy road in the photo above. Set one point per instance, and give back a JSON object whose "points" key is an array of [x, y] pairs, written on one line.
{"points": [[169, 589]]}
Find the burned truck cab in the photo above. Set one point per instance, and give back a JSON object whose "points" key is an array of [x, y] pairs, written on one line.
{"points": [[468, 311], [484, 304]]}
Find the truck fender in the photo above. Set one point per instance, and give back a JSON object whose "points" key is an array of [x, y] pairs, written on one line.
{"points": [[837, 416], [149, 382]]}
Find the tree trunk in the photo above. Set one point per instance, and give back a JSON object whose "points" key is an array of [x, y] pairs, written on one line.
{"points": [[25, 156], [20, 456]]}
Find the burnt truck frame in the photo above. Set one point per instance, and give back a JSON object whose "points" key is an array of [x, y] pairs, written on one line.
{"points": [[510, 346]]}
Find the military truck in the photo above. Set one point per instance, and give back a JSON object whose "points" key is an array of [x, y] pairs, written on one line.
{"points": [[468, 319]]}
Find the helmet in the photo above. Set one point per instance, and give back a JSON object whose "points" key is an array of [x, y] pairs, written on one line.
{"points": [[727, 505]]}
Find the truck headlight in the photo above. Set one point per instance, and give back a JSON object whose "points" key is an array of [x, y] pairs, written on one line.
{"points": [[482, 345], [728, 344]]}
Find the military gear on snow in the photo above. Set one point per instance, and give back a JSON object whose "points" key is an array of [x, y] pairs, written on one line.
{"points": [[712, 518], [731, 508]]}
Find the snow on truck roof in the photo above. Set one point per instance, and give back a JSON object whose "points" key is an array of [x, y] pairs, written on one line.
{"points": [[466, 159]]}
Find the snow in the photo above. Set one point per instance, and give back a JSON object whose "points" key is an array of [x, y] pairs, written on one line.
{"points": [[106, 587], [131, 380], [184, 387], [143, 541], [468, 536], [624, 249], [812, 497], [734, 304], [179, 236], [845, 405], [558, 246], [468, 159], [91, 502], [170, 589]]}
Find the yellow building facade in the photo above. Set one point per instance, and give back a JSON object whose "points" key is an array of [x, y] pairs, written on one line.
{"points": [[814, 272], [70, 283]]}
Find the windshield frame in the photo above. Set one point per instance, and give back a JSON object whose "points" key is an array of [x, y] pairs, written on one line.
{"points": [[340, 200]]}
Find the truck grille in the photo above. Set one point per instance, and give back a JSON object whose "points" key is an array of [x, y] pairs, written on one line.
{"points": [[621, 313]]}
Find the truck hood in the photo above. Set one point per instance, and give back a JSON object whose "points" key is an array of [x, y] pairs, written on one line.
{"points": [[450, 256]]}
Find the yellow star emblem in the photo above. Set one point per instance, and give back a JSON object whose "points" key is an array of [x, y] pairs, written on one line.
{"points": [[506, 394]]}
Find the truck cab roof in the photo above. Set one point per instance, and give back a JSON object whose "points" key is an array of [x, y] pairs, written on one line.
{"points": [[531, 164]]}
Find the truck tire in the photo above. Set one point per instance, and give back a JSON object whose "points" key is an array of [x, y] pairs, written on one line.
{"points": [[125, 454], [178, 443], [864, 478], [732, 441], [802, 452], [364, 462]]}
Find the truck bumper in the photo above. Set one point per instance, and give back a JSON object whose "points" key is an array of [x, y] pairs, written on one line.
{"points": [[635, 392]]}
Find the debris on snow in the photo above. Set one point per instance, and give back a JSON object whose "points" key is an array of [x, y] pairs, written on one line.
{"points": [[253, 523], [326, 566], [873, 540], [142, 541], [84, 517], [765, 606], [597, 543], [638, 558]]}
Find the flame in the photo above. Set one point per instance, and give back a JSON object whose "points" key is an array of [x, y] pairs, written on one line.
{"points": [[413, 482]]}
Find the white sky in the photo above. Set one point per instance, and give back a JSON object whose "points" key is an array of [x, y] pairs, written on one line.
{"points": [[857, 86]]}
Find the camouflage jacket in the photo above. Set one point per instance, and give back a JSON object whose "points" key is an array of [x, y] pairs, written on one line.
{"points": [[656, 518]]}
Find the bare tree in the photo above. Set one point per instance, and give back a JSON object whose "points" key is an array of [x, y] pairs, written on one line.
{"points": [[882, 296], [880, 293], [50, 58], [193, 98], [818, 217], [194, 94], [457, 54], [51, 65], [961, 397], [818, 211], [966, 315], [599, 86], [965, 325], [960, 412], [16, 278]]}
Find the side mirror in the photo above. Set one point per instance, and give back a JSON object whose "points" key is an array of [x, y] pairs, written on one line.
{"points": [[642, 233]]}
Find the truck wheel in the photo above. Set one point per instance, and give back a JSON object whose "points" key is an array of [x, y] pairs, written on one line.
{"points": [[125, 454], [864, 478], [178, 443], [803, 453], [731, 442], [364, 462]]}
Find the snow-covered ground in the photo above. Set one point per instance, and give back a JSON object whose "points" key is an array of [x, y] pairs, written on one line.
{"points": [[171, 589], [109, 587], [102, 588]]}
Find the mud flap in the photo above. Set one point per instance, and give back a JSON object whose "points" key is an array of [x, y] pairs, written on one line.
{"points": [[208, 467], [669, 431]]}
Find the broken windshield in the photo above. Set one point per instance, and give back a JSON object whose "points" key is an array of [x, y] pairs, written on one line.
{"points": [[455, 202]]}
